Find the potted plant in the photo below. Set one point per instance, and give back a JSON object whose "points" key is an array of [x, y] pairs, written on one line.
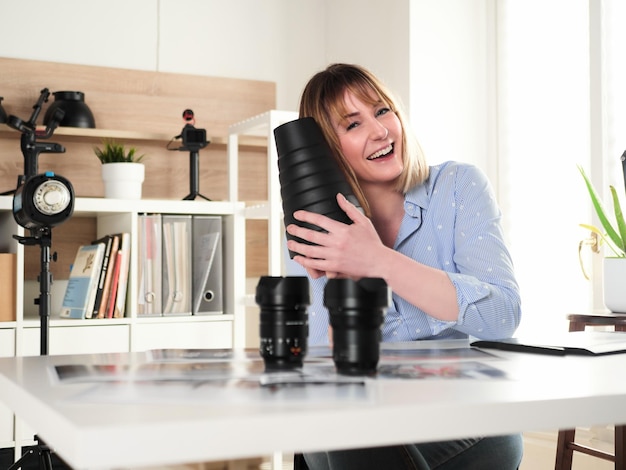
{"points": [[122, 170], [613, 236]]}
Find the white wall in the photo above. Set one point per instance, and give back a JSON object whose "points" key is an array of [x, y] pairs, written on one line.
{"points": [[275, 40], [374, 34], [452, 90]]}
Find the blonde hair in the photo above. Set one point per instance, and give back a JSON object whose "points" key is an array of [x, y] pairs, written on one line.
{"points": [[323, 100]]}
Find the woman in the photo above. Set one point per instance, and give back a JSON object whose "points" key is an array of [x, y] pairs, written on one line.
{"points": [[434, 235]]}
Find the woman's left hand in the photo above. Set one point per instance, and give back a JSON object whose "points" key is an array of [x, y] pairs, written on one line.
{"points": [[343, 250]]}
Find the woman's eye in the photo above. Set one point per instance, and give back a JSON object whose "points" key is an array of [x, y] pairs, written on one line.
{"points": [[351, 125], [382, 111]]}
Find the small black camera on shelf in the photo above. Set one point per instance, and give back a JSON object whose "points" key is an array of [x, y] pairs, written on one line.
{"points": [[193, 139]]}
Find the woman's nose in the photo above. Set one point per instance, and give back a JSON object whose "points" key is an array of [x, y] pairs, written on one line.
{"points": [[380, 131]]}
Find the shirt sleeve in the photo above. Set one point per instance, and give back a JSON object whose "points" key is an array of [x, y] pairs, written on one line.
{"points": [[487, 292]]}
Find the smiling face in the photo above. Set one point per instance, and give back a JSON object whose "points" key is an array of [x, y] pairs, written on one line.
{"points": [[370, 137]]}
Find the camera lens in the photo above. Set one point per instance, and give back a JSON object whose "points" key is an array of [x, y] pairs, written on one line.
{"points": [[357, 310], [309, 176], [284, 321]]}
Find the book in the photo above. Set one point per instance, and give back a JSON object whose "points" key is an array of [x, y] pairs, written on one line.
{"points": [[122, 288], [108, 241], [586, 343], [149, 244], [176, 264], [82, 285], [114, 286], [109, 274], [207, 265]]}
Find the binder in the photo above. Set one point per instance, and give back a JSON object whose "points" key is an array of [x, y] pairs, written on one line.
{"points": [[176, 264], [585, 343], [207, 291], [149, 243]]}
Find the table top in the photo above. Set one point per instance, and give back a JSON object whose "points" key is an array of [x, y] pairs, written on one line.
{"points": [[175, 406]]}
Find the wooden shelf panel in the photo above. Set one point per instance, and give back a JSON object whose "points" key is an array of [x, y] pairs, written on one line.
{"points": [[96, 135]]}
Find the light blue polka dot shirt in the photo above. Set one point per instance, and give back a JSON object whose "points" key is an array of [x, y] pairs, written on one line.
{"points": [[451, 222]]}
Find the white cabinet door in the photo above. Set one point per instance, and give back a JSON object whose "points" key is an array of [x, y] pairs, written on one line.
{"points": [[79, 339], [7, 349], [201, 335]]}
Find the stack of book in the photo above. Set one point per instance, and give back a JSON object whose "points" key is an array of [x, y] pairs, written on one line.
{"points": [[98, 281]]}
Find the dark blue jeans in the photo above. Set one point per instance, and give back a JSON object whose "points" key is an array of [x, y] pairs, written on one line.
{"points": [[489, 453]]}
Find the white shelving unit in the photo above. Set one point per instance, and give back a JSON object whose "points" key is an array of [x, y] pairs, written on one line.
{"points": [[262, 125], [132, 333]]}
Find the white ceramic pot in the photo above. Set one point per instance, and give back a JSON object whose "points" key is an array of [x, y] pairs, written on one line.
{"points": [[123, 180], [614, 284]]}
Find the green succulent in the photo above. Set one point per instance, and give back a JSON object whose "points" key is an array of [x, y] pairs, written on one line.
{"points": [[114, 152], [614, 238]]}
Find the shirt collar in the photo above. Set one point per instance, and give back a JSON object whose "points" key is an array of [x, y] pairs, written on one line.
{"points": [[419, 196]]}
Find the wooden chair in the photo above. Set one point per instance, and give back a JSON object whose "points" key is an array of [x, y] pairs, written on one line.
{"points": [[566, 444]]}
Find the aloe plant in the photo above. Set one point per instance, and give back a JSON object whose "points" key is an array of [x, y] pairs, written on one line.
{"points": [[614, 238], [114, 152]]}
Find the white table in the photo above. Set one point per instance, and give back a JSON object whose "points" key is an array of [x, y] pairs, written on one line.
{"points": [[538, 392]]}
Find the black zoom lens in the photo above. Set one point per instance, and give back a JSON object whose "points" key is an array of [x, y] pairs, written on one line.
{"points": [[310, 178], [284, 322], [357, 310]]}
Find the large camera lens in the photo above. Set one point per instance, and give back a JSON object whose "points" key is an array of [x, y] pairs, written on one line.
{"points": [[284, 322], [357, 310], [309, 176]]}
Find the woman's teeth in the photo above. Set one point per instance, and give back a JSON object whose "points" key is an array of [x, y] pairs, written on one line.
{"points": [[381, 153]]}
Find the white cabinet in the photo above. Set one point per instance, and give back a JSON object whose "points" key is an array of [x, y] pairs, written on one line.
{"points": [[216, 332], [78, 339], [7, 349]]}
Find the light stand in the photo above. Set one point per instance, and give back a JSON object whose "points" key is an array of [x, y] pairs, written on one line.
{"points": [[193, 140], [40, 202], [44, 240]]}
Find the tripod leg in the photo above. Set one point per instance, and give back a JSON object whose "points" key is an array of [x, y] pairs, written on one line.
{"points": [[45, 459], [24, 458], [194, 177]]}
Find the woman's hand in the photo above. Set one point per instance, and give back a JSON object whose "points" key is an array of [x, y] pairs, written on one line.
{"points": [[343, 250]]}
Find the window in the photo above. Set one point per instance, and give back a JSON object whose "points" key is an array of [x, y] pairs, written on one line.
{"points": [[543, 133]]}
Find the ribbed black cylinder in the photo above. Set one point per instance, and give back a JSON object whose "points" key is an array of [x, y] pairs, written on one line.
{"points": [[309, 176]]}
